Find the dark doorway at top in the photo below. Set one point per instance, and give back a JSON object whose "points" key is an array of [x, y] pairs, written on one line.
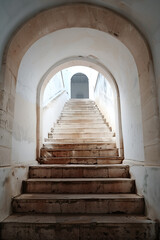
{"points": [[79, 86]]}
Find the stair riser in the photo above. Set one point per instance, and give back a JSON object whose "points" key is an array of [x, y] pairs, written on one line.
{"points": [[78, 231], [80, 206], [79, 187], [80, 153], [81, 146], [78, 172], [81, 135], [79, 161]]}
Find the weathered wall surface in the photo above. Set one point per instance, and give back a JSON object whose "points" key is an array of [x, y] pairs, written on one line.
{"points": [[24, 131], [10, 186], [147, 184], [52, 111]]}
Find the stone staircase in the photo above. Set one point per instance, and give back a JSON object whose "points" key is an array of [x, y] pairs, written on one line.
{"points": [[81, 190]]}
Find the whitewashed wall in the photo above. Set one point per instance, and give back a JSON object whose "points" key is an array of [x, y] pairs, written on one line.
{"points": [[52, 111], [104, 98]]}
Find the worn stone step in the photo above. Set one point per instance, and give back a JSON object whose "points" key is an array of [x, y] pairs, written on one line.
{"points": [[73, 135], [70, 102], [79, 185], [80, 146], [80, 106], [73, 108], [81, 117], [80, 113], [80, 160], [81, 121], [79, 125], [79, 153], [80, 103], [81, 130], [78, 227], [78, 203], [82, 140], [79, 171]]}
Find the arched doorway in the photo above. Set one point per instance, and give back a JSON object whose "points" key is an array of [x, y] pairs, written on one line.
{"points": [[79, 86], [126, 35]]}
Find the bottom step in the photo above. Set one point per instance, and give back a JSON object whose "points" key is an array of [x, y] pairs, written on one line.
{"points": [[77, 227]]}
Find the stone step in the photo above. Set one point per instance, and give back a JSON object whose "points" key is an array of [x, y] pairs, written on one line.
{"points": [[79, 171], [81, 130], [74, 135], [91, 108], [79, 125], [78, 227], [80, 106], [79, 185], [80, 121], [79, 153], [81, 113], [80, 103], [80, 146], [79, 203], [80, 160], [84, 140], [80, 118]]}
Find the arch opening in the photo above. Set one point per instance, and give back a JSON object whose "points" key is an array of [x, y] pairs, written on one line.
{"points": [[79, 86], [110, 108]]}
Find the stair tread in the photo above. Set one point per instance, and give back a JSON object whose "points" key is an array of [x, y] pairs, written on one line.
{"points": [[101, 158], [77, 219], [79, 180], [115, 196], [80, 166], [60, 150]]}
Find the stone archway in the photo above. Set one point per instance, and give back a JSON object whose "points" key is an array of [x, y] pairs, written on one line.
{"points": [[96, 18], [80, 62]]}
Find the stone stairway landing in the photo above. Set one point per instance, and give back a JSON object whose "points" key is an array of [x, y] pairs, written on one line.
{"points": [[81, 190]]}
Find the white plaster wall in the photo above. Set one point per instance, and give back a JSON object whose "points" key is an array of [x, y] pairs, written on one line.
{"points": [[54, 87], [24, 131], [52, 112], [105, 100], [109, 52], [147, 183]]}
